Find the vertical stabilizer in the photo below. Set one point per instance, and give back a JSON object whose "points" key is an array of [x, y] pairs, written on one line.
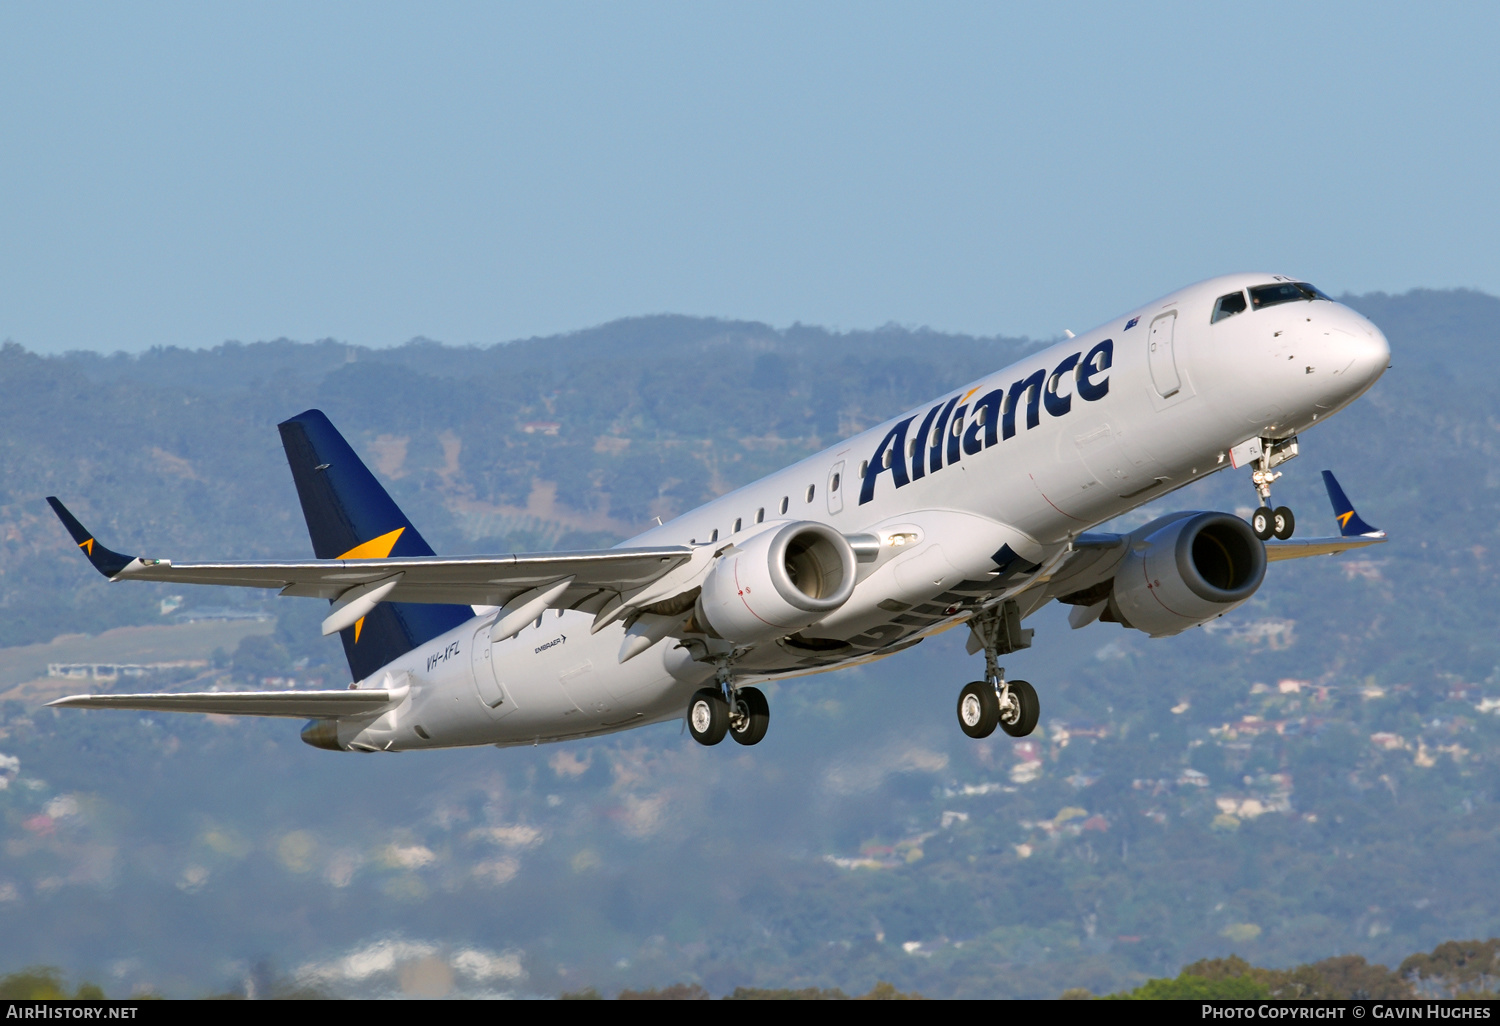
{"points": [[350, 516]]}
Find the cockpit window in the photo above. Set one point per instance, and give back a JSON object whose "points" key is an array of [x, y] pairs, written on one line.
{"points": [[1228, 306], [1263, 296]]}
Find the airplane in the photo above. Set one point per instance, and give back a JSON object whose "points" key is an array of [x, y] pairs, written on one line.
{"points": [[977, 508]]}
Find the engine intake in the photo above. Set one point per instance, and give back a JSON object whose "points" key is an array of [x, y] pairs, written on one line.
{"points": [[777, 583], [1187, 571]]}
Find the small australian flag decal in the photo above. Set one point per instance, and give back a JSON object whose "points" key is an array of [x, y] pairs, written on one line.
{"points": [[1132, 323]]}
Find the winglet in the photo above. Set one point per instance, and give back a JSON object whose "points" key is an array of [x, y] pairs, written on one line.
{"points": [[105, 561], [1350, 524]]}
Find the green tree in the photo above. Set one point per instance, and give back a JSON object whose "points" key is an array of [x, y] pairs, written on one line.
{"points": [[45, 983], [1458, 968], [676, 992], [260, 655], [805, 994], [1187, 987]]}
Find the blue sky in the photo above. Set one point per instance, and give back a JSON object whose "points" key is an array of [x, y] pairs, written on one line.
{"points": [[185, 174]]}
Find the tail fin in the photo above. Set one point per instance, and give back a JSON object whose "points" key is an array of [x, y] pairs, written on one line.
{"points": [[350, 516], [1350, 524]]}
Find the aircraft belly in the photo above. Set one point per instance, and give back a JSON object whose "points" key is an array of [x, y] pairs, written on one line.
{"points": [[553, 680], [570, 682], [957, 553]]}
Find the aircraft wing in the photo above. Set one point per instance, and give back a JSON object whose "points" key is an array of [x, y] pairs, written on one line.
{"points": [[1300, 547], [1091, 562], [1354, 533], [597, 575], [295, 704]]}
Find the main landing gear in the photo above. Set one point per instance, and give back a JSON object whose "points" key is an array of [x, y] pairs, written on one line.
{"points": [[996, 702], [1268, 453], [741, 713]]}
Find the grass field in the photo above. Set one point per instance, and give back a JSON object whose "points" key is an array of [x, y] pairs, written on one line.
{"points": [[23, 669]]}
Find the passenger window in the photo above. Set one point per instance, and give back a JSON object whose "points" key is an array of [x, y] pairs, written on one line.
{"points": [[810, 489], [834, 484], [736, 525], [1228, 306], [760, 515], [715, 536], [864, 468], [783, 504]]}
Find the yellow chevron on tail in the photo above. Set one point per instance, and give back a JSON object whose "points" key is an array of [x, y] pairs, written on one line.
{"points": [[375, 548]]}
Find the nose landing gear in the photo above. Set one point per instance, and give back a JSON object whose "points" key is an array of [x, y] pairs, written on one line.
{"points": [[1265, 453], [995, 702]]}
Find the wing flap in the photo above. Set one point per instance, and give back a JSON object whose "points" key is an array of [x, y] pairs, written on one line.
{"points": [[294, 704]]}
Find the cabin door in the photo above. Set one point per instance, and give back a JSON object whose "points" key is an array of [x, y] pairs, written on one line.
{"points": [[836, 488], [486, 681], [1162, 358]]}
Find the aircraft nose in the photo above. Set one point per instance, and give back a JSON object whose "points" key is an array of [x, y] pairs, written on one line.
{"points": [[1370, 350]]}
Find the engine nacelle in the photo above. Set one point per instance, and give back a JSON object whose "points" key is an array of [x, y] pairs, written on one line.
{"points": [[1186, 572], [777, 583]]}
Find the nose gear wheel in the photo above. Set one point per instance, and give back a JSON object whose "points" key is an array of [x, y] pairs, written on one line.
{"points": [[1283, 523], [1262, 522]]}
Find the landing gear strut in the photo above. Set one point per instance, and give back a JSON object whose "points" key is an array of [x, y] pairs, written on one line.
{"points": [[995, 702], [740, 712], [1268, 453]]}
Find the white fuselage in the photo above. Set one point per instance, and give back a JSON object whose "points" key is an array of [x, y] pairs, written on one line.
{"points": [[1161, 402]]}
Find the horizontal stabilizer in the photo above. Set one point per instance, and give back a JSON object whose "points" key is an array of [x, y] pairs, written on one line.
{"points": [[294, 704]]}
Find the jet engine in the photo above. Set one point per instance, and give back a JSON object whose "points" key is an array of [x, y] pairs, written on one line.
{"points": [[777, 583], [1186, 572]]}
